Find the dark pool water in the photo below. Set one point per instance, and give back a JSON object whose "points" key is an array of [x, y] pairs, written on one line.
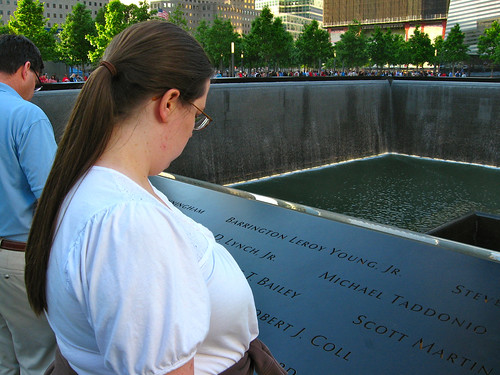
{"points": [[407, 192]]}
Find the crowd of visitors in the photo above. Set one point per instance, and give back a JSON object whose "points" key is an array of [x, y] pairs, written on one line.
{"points": [[340, 73], [44, 78]]}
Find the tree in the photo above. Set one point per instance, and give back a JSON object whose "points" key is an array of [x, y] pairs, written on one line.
{"points": [[489, 44], [313, 45], [267, 43], [140, 13], [284, 47], [117, 17], [100, 17], [201, 34], [439, 54], [115, 21], [331, 63], [399, 51], [28, 20], [177, 18], [4, 29], [73, 47], [216, 40], [455, 50], [352, 47], [257, 46], [379, 47], [421, 50]]}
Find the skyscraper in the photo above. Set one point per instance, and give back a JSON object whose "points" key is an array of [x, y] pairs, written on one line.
{"points": [[473, 16], [54, 10], [294, 13], [241, 13], [399, 15]]}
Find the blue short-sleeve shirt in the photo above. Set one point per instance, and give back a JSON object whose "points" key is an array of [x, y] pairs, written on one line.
{"points": [[27, 149]]}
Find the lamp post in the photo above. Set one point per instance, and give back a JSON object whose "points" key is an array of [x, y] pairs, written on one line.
{"points": [[232, 59]]}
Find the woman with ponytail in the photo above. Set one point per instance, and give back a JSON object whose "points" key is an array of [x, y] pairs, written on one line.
{"points": [[128, 283]]}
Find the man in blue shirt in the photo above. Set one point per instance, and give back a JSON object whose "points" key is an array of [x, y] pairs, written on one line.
{"points": [[27, 148]]}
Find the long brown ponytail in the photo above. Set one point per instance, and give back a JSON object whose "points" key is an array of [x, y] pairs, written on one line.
{"points": [[149, 58]]}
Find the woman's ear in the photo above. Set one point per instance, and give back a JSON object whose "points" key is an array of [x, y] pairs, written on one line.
{"points": [[168, 102]]}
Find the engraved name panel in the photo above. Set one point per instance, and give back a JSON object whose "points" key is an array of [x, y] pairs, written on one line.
{"points": [[334, 298]]}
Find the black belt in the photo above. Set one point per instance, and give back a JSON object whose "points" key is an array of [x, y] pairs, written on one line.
{"points": [[12, 245]]}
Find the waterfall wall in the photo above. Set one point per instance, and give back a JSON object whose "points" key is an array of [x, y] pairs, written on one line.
{"points": [[447, 120], [264, 128]]}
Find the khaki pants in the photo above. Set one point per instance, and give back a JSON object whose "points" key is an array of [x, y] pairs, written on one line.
{"points": [[27, 344]]}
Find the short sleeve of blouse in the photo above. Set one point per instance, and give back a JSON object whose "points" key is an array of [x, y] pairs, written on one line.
{"points": [[144, 291]]}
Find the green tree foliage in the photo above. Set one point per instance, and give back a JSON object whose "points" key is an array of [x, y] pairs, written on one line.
{"points": [[380, 47], [489, 44], [202, 34], [421, 50], [177, 18], [73, 47], [267, 43], [455, 50], [100, 17], [352, 47], [400, 51], [439, 54], [117, 17], [216, 40], [313, 45], [285, 51], [139, 13], [4, 29], [257, 46], [28, 20], [331, 63]]}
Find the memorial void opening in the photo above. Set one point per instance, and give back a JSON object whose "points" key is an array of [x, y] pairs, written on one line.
{"points": [[338, 294]]}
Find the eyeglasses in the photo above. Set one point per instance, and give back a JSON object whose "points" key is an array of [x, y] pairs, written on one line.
{"points": [[38, 85], [202, 120]]}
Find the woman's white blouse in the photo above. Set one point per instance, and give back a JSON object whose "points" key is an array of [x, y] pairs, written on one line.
{"points": [[136, 287]]}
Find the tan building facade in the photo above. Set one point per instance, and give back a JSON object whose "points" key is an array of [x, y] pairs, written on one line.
{"points": [[241, 13], [54, 10], [7, 8], [401, 16]]}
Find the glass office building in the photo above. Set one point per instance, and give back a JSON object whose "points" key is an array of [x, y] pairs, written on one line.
{"points": [[473, 16], [294, 13]]}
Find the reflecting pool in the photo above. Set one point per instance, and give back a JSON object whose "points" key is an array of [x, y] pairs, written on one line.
{"points": [[407, 192]]}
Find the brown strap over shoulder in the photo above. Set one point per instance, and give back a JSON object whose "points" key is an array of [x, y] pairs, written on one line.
{"points": [[60, 366], [258, 358]]}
